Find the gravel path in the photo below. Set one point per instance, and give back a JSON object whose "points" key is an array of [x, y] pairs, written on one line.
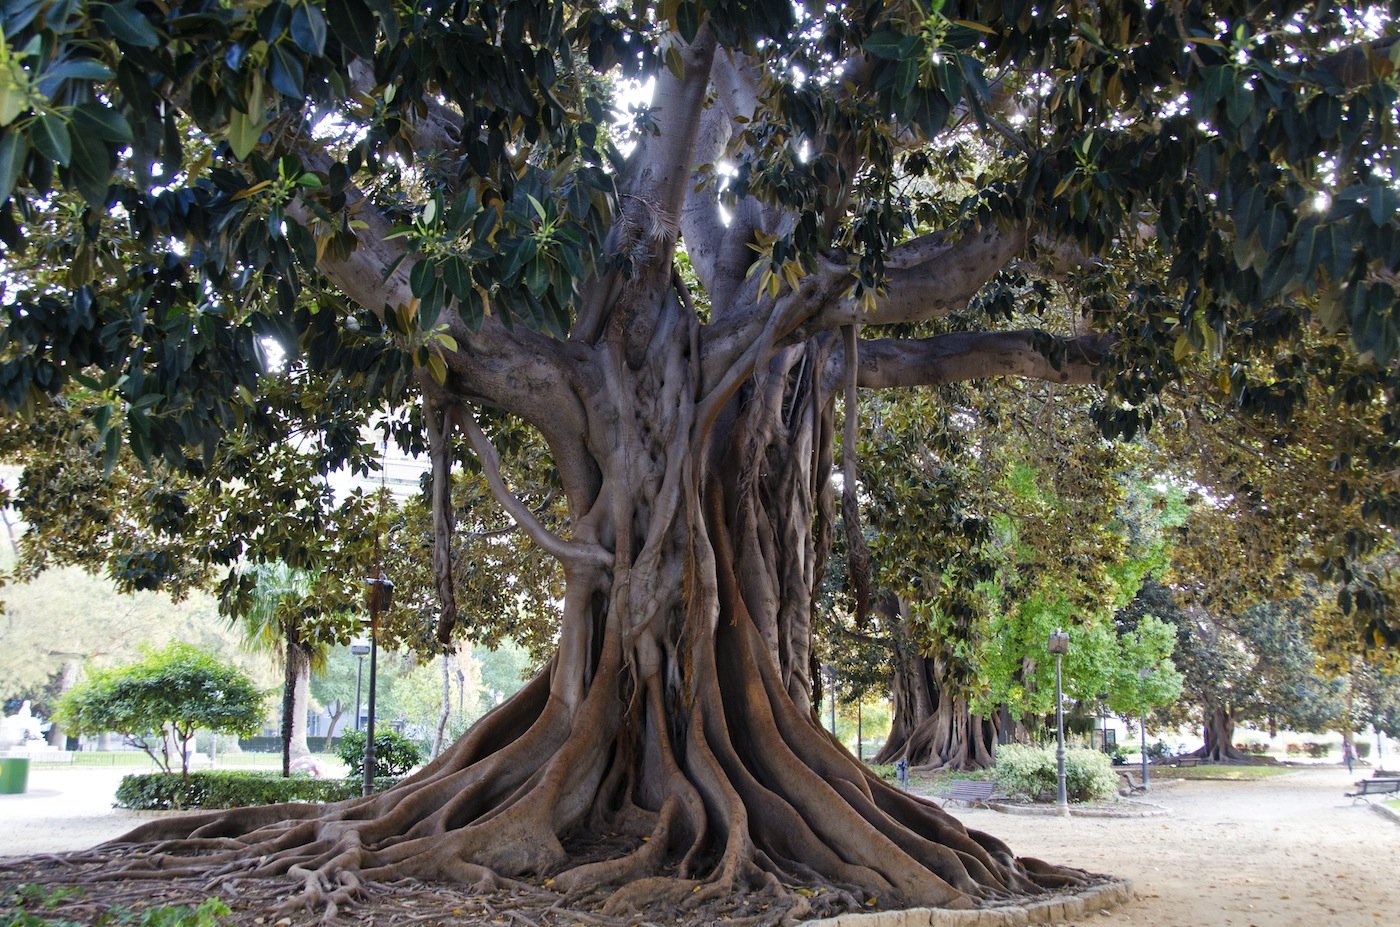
{"points": [[1289, 851], [1269, 853]]}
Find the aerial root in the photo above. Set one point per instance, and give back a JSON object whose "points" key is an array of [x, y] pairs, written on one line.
{"points": [[320, 888]]}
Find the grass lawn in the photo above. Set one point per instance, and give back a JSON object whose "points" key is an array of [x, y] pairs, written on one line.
{"points": [[1237, 773], [1393, 804]]}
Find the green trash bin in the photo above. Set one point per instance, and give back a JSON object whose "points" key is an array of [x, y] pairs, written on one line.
{"points": [[14, 775]]}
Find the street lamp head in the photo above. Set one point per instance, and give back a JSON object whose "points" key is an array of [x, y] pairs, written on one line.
{"points": [[379, 593], [1058, 642], [359, 646]]}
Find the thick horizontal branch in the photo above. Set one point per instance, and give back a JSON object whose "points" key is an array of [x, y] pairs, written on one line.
{"points": [[891, 363]]}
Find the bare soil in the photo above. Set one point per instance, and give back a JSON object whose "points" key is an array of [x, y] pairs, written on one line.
{"points": [[1268, 853]]}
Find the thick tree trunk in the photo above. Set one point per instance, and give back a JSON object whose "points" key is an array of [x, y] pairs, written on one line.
{"points": [[676, 716], [933, 728], [1219, 731], [296, 696]]}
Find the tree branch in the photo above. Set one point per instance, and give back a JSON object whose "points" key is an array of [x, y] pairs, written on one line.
{"points": [[565, 551], [887, 363], [929, 277]]}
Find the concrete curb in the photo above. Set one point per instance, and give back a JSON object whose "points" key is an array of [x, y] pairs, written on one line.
{"points": [[1138, 809], [1054, 910], [1385, 812]]}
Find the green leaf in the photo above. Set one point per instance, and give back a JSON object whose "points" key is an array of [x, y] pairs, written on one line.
{"points": [[285, 72], [353, 24], [129, 26], [243, 133], [13, 148], [50, 136], [100, 122], [688, 20], [421, 278], [890, 45], [84, 69], [309, 29], [388, 18], [457, 276]]}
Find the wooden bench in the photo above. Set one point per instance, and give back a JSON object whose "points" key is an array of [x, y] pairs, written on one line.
{"points": [[1133, 785], [1178, 761], [1366, 787], [971, 791]]}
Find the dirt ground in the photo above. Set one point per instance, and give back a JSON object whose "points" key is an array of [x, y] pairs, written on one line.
{"points": [[1269, 853]]}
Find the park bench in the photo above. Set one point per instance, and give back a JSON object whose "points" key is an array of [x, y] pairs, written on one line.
{"points": [[1365, 787], [971, 791], [1178, 761], [1133, 785]]}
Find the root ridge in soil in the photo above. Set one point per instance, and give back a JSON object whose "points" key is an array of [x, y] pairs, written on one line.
{"points": [[95, 885]]}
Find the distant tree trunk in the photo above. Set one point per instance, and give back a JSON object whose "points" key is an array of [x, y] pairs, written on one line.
{"points": [[446, 706], [1219, 732], [335, 709], [933, 727], [296, 695], [67, 678]]}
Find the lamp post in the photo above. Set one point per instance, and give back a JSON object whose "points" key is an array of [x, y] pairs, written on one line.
{"points": [[1058, 644], [379, 595], [1143, 673], [359, 647]]}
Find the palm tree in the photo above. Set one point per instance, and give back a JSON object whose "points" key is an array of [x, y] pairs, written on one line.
{"points": [[274, 618]]}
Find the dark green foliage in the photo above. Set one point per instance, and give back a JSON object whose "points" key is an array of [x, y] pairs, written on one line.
{"points": [[180, 687], [394, 754], [232, 789]]}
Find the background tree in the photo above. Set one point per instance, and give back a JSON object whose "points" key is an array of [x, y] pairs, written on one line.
{"points": [[464, 236], [165, 696]]}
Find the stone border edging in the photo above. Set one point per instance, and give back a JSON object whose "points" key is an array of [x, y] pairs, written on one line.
{"points": [[1385, 812], [1140, 809], [1056, 909]]}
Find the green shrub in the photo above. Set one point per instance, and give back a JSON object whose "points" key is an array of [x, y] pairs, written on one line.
{"points": [[1317, 751], [394, 754], [1029, 772], [1025, 772], [1363, 749], [231, 789]]}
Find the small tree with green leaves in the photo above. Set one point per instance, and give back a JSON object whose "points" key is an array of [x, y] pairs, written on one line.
{"points": [[173, 692]]}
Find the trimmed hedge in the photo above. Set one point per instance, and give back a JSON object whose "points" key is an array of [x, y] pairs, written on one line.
{"points": [[232, 789], [1029, 772]]}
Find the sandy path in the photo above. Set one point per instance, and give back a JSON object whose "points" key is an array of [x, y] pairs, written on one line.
{"points": [[1272, 853]]}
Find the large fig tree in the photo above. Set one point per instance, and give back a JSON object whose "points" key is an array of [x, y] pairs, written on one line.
{"points": [[455, 205]]}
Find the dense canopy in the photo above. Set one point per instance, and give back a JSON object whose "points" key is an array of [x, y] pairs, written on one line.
{"points": [[235, 230]]}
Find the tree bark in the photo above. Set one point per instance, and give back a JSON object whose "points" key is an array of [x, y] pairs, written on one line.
{"points": [[339, 709], [296, 695], [446, 712], [67, 678], [933, 727], [1219, 733]]}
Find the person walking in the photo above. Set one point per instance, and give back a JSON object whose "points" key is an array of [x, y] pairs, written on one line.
{"points": [[1348, 754]]}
